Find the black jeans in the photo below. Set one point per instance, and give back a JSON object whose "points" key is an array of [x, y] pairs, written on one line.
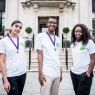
{"points": [[81, 83], [16, 84]]}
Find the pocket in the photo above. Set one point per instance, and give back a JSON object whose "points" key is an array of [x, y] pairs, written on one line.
{"points": [[83, 75]]}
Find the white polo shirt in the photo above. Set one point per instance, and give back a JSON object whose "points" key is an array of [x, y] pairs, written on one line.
{"points": [[51, 63], [81, 56], [15, 62]]}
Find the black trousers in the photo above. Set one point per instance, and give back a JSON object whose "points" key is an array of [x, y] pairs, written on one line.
{"points": [[81, 83], [16, 84]]}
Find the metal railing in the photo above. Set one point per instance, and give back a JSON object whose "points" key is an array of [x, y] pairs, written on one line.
{"points": [[66, 50], [33, 42], [47, 0], [31, 46], [30, 54]]}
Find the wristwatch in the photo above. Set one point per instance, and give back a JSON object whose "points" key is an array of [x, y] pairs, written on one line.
{"points": [[87, 74]]}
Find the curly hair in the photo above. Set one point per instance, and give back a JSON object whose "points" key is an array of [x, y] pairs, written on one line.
{"points": [[85, 36]]}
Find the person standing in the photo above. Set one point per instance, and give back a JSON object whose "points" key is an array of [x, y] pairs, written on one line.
{"points": [[48, 48], [13, 60], [83, 53]]}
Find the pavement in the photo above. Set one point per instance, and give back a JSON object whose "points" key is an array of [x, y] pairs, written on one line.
{"points": [[32, 86]]}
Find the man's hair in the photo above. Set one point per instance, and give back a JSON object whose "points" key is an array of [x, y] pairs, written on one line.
{"points": [[85, 34], [53, 18]]}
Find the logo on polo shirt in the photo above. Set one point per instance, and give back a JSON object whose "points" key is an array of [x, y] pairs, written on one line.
{"points": [[22, 44], [57, 44], [82, 48]]}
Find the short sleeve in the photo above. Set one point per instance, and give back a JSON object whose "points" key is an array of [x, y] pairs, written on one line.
{"points": [[2, 47], [38, 42], [91, 47]]}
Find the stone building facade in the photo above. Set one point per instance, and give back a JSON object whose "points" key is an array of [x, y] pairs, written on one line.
{"points": [[34, 14]]}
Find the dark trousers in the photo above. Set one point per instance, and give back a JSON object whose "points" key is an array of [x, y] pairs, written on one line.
{"points": [[81, 83], [16, 84]]}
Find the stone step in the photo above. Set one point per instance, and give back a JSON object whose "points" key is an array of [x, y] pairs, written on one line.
{"points": [[62, 62], [36, 56], [61, 49], [63, 71], [61, 56], [35, 66], [35, 52], [63, 66], [36, 70], [36, 59]]}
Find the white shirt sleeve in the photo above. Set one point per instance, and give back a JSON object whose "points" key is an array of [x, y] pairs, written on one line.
{"points": [[2, 47], [91, 47], [38, 42]]}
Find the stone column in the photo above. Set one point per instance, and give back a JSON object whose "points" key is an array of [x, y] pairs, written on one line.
{"points": [[65, 19], [90, 14], [70, 21], [11, 12], [84, 12]]}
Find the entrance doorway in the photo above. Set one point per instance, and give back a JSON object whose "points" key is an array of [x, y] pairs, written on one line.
{"points": [[42, 25]]}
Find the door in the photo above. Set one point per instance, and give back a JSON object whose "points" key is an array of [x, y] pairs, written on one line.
{"points": [[42, 25]]}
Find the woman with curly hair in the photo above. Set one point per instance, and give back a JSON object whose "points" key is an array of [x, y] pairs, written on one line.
{"points": [[83, 53]]}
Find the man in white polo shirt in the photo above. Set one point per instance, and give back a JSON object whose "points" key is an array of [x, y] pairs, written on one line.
{"points": [[48, 48]]}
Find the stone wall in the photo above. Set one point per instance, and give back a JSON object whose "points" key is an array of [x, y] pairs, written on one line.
{"points": [[67, 18]]}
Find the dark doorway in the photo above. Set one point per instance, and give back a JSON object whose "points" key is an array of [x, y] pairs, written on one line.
{"points": [[2, 9], [42, 25]]}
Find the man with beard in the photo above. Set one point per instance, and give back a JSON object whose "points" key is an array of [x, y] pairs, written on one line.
{"points": [[48, 49]]}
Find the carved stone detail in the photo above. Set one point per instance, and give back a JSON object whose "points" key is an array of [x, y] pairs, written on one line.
{"points": [[48, 9], [35, 7], [50, 5], [23, 5], [28, 4], [61, 6], [73, 6]]}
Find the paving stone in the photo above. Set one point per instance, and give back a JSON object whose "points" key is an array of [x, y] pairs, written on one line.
{"points": [[32, 86]]}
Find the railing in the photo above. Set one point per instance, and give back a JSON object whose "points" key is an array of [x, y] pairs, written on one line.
{"points": [[2, 34], [33, 42], [66, 50], [31, 45], [47, 0], [30, 54]]}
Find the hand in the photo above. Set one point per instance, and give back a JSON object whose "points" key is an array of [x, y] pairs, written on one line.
{"points": [[7, 86], [88, 75], [41, 79], [60, 75], [60, 78]]}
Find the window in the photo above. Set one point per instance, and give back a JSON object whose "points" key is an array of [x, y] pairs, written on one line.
{"points": [[2, 14], [93, 17], [93, 5], [2, 5]]}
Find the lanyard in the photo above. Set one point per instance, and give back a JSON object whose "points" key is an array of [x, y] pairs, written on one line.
{"points": [[17, 46]]}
